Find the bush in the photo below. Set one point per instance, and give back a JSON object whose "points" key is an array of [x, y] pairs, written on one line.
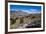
{"points": [[13, 20], [21, 20]]}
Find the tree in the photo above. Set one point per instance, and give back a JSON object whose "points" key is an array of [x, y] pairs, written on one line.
{"points": [[13, 20]]}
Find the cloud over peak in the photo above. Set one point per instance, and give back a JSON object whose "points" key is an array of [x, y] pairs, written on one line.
{"points": [[28, 11]]}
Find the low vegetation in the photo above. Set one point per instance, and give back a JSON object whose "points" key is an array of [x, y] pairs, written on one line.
{"points": [[30, 21]]}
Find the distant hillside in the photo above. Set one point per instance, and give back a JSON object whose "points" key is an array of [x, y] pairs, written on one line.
{"points": [[21, 13]]}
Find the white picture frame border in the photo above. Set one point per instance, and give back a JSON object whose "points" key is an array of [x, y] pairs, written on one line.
{"points": [[30, 29]]}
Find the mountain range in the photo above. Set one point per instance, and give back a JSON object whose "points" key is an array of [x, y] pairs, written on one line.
{"points": [[22, 13]]}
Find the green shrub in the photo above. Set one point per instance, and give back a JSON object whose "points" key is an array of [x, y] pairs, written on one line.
{"points": [[21, 20], [13, 20]]}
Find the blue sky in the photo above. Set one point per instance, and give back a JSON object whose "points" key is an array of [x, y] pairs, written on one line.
{"points": [[25, 8]]}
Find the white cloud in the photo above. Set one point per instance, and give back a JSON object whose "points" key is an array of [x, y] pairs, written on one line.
{"points": [[31, 11], [34, 10], [12, 9], [28, 11]]}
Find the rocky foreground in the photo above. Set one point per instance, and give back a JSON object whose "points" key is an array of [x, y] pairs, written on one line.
{"points": [[21, 20]]}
